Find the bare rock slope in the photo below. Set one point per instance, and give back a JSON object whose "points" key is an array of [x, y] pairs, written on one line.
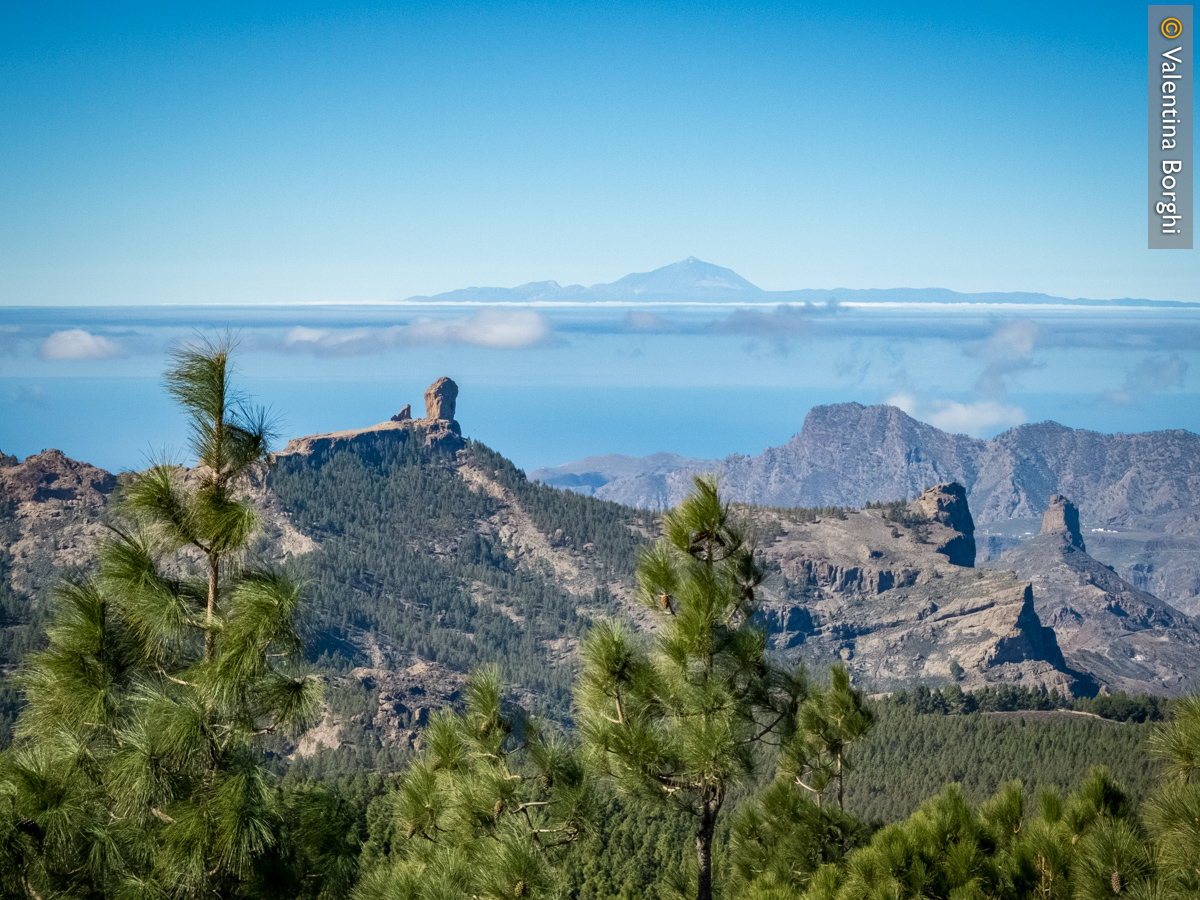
{"points": [[901, 602], [1144, 489], [1128, 639]]}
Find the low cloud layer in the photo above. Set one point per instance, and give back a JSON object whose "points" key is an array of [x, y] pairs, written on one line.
{"points": [[979, 419], [640, 320], [76, 343], [497, 329], [778, 327], [1007, 350], [1152, 375]]}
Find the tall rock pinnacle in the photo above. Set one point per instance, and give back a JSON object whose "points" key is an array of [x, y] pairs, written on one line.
{"points": [[946, 505], [1063, 518], [439, 400]]}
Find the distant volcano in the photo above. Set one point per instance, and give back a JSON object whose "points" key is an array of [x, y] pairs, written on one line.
{"points": [[695, 281], [690, 279]]}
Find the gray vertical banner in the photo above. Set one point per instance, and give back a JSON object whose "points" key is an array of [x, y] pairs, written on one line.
{"points": [[1170, 128]]}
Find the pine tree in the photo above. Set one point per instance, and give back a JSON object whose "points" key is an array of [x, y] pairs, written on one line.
{"points": [[781, 837], [814, 756], [1173, 812], [137, 769], [486, 811], [680, 722]]}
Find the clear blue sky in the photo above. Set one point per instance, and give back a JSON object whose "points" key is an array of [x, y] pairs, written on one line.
{"points": [[242, 153]]}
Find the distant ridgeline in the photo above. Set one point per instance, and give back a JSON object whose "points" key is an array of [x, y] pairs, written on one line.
{"points": [[1143, 490], [693, 281]]}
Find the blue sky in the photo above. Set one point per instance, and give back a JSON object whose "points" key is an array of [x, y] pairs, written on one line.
{"points": [[298, 153], [193, 161]]}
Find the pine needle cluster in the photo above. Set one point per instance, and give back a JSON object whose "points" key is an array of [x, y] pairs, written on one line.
{"points": [[487, 810], [136, 770], [681, 721]]}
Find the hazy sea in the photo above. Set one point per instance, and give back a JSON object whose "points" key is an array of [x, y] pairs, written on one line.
{"points": [[548, 386]]}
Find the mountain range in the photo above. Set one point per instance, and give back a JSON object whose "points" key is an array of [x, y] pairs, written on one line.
{"points": [[1141, 491], [693, 281], [427, 554]]}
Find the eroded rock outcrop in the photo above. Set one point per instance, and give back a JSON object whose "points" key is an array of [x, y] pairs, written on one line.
{"points": [[404, 700], [439, 427], [56, 505], [408, 697], [1128, 639], [440, 398], [1061, 517], [951, 528], [51, 475], [896, 603]]}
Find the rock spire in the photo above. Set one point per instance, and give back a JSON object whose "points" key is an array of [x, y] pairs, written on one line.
{"points": [[1063, 518], [946, 505]]}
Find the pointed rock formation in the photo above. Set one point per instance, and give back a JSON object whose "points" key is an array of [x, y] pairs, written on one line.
{"points": [[952, 530], [1062, 517], [441, 430], [439, 400], [439, 421], [1128, 639]]}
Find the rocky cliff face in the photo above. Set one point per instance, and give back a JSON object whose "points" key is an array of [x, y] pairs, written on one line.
{"points": [[900, 602], [945, 511], [849, 455], [1128, 639]]}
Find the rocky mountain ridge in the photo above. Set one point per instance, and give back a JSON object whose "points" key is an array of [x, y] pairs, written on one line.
{"points": [[893, 591], [848, 454], [1146, 486], [693, 281]]}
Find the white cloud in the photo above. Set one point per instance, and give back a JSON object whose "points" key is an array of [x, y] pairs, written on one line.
{"points": [[502, 329], [302, 335], [76, 343], [976, 419], [1015, 337], [1008, 350], [1151, 376], [499, 329]]}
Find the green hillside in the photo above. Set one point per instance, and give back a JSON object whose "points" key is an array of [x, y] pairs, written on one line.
{"points": [[404, 570]]}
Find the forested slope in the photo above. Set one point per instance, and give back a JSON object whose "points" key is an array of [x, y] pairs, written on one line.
{"points": [[417, 562]]}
